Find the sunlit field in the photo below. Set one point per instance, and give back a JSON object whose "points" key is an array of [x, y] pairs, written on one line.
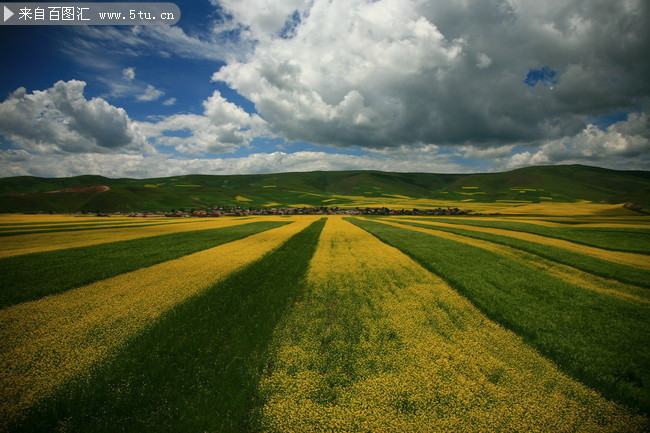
{"points": [[533, 320]]}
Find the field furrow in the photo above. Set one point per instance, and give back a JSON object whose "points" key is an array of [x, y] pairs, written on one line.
{"points": [[596, 338], [33, 243], [567, 273], [379, 343], [640, 261], [48, 342]]}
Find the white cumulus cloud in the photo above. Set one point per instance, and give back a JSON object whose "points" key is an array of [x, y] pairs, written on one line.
{"points": [[483, 61], [263, 19], [150, 94], [339, 80], [223, 128], [128, 73], [60, 119]]}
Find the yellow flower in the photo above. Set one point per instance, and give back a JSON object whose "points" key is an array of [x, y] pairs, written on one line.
{"points": [[38, 242], [49, 341], [380, 344]]}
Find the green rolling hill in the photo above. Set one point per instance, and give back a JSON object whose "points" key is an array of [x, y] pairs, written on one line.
{"points": [[568, 183]]}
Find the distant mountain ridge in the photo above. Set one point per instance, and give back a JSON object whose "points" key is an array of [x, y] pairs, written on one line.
{"points": [[567, 183]]}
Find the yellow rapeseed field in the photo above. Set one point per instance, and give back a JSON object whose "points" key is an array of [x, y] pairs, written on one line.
{"points": [[582, 223], [568, 209], [567, 273], [26, 229], [424, 359], [630, 259], [33, 243], [8, 219], [51, 340]]}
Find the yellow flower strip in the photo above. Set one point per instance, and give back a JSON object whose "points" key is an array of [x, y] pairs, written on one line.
{"points": [[15, 220], [85, 226], [586, 224], [640, 261], [582, 209], [45, 219], [433, 362], [567, 273], [634, 224], [49, 341], [38, 242]]}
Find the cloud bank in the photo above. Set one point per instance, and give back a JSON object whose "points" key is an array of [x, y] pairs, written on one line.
{"points": [[388, 73], [22, 163], [417, 85], [624, 144]]}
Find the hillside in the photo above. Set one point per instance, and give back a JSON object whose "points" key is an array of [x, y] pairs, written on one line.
{"points": [[562, 184]]}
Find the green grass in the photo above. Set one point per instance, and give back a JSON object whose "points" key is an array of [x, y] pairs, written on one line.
{"points": [[598, 339], [633, 240], [198, 367], [32, 276], [593, 265]]}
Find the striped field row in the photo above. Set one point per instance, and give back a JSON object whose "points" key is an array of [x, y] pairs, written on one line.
{"points": [[593, 265], [637, 223], [563, 272], [594, 336], [389, 327], [32, 243], [49, 341], [28, 277], [640, 261], [624, 238], [79, 227], [381, 344]]}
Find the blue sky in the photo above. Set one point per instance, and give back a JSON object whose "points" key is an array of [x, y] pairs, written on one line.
{"points": [[254, 86]]}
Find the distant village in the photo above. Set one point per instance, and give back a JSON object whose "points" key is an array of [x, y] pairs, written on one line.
{"points": [[219, 211]]}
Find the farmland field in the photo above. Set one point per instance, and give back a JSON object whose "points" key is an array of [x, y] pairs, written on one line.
{"points": [[531, 322]]}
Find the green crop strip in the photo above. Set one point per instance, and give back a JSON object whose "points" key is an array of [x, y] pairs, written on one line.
{"points": [[632, 240], [76, 228], [196, 369], [597, 339], [32, 276], [603, 268]]}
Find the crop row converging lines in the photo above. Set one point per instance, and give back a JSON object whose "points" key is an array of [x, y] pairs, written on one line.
{"points": [[381, 344], [51, 340], [597, 338], [558, 270], [32, 243], [629, 259]]}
